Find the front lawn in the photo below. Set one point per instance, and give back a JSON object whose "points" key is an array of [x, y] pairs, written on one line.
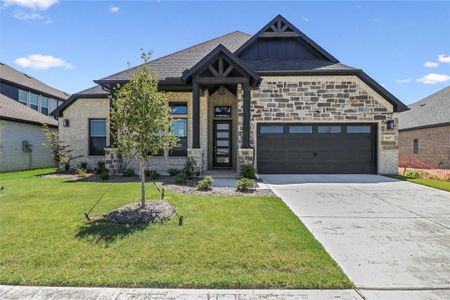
{"points": [[437, 184], [225, 242]]}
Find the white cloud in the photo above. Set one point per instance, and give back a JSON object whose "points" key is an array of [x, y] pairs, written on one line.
{"points": [[402, 81], [444, 58], [113, 9], [434, 78], [33, 4], [42, 62], [431, 64], [31, 16]]}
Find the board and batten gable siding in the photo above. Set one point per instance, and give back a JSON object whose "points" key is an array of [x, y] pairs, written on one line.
{"points": [[324, 99], [12, 156]]}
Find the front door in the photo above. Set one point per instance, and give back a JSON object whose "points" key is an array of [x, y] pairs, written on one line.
{"points": [[222, 144]]}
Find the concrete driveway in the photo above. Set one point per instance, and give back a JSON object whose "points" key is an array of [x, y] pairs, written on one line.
{"points": [[384, 233]]}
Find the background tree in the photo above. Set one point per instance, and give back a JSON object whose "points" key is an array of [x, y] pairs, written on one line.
{"points": [[140, 119], [60, 151]]}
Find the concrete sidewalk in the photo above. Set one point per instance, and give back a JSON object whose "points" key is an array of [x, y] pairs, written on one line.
{"points": [[69, 293], [74, 293]]}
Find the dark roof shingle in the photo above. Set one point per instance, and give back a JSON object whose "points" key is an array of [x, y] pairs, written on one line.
{"points": [[430, 111], [11, 109], [10, 74]]}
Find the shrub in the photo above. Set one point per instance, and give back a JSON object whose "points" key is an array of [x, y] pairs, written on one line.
{"points": [[412, 173], [128, 173], [82, 172], [180, 178], [188, 169], [83, 165], [152, 174], [245, 184], [173, 172], [248, 171], [101, 167], [104, 175], [205, 184]]}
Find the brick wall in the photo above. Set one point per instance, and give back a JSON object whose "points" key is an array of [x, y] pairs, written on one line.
{"points": [[336, 99], [12, 158], [434, 145]]}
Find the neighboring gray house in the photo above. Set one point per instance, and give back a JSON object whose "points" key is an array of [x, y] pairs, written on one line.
{"points": [[274, 99], [29, 91], [425, 132], [21, 137]]}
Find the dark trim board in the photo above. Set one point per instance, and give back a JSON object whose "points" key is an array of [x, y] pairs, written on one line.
{"points": [[26, 121], [314, 153], [425, 127], [34, 91]]}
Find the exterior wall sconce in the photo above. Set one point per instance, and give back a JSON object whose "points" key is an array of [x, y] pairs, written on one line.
{"points": [[390, 124], [66, 123]]}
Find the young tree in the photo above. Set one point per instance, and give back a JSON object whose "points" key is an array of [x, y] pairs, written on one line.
{"points": [[140, 119], [60, 151]]}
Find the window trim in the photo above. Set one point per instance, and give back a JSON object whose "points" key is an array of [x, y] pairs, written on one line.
{"points": [[89, 136], [37, 101], [184, 151], [27, 96], [415, 146], [42, 106]]}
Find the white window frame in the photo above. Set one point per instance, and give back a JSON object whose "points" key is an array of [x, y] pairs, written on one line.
{"points": [[41, 104], [28, 96]]}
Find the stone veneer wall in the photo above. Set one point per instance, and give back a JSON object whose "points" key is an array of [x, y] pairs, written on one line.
{"points": [[315, 99]]}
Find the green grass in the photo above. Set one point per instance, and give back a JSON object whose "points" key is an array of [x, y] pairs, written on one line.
{"points": [[225, 242], [437, 184]]}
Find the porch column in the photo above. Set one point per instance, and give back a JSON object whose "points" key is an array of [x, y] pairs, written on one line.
{"points": [[246, 117], [195, 115]]}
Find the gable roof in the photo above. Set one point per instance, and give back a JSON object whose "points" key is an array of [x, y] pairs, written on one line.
{"points": [[431, 111], [221, 50], [173, 65], [92, 92], [12, 110], [279, 26], [9, 74]]}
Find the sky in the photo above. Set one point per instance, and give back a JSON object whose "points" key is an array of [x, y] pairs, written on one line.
{"points": [[405, 46]]}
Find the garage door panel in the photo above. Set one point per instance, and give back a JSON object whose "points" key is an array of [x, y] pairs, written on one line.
{"points": [[300, 148]]}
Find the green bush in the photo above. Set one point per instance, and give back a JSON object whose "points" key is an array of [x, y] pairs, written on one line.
{"points": [[83, 165], [128, 173], [245, 184], [412, 173], [101, 167], [188, 169], [180, 178], [104, 175], [173, 172], [152, 174], [248, 171], [205, 184]]}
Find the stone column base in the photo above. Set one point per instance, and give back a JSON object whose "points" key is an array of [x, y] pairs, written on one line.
{"points": [[113, 161], [198, 159], [245, 157]]}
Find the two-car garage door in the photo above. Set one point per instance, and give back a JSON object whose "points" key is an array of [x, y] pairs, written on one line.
{"points": [[316, 148]]}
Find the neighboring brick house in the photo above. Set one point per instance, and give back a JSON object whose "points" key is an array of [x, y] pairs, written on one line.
{"points": [[425, 132], [29, 91], [276, 100], [22, 138]]}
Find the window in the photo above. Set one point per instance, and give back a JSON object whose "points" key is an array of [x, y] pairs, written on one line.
{"points": [[222, 111], [358, 129], [266, 129], [329, 129], [34, 101], [44, 105], [179, 129], [178, 108], [23, 97], [416, 146], [300, 129], [97, 136]]}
